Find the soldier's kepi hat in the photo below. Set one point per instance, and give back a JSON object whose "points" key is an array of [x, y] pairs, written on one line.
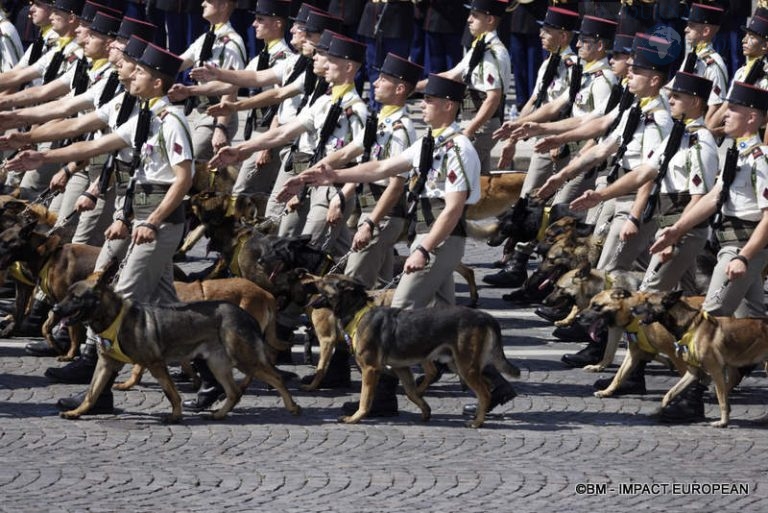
{"points": [[345, 48], [273, 8], [105, 24], [561, 19], [133, 27], [748, 96], [161, 60], [318, 21], [622, 43], [492, 7], [71, 6], [303, 13], [688, 83], [91, 8], [599, 28], [705, 14], [650, 58], [325, 39], [135, 47], [758, 26], [441, 87], [401, 69]]}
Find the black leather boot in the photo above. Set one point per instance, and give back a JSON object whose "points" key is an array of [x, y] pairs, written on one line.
{"points": [[591, 354], [104, 403], [210, 389], [338, 374], [513, 275], [384, 399], [441, 369], [633, 384], [43, 348], [31, 325], [687, 407], [573, 333], [501, 391], [79, 371]]}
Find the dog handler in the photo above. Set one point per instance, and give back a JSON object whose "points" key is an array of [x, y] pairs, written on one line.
{"points": [[155, 218], [741, 198]]}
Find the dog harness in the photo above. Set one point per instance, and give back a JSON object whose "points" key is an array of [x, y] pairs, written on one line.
{"points": [[636, 335], [351, 328], [108, 338], [685, 346], [21, 274]]}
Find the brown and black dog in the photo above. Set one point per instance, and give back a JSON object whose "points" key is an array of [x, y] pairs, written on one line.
{"points": [[400, 338], [717, 345], [223, 334], [238, 291], [613, 308]]}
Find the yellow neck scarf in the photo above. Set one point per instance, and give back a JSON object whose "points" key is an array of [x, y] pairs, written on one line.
{"points": [[272, 43], [388, 110], [98, 64], [338, 91], [645, 101], [63, 42]]}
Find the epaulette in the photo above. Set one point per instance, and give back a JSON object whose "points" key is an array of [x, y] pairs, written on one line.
{"points": [[649, 118], [72, 58], [757, 153], [710, 61], [598, 73], [224, 38], [279, 55], [693, 139], [398, 125], [568, 63], [348, 111], [449, 144], [162, 114]]}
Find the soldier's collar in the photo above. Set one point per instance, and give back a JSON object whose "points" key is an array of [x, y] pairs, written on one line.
{"points": [[595, 65], [99, 63], [271, 44], [478, 38], [644, 102], [701, 47], [153, 101], [64, 41], [746, 143], [388, 110], [44, 31], [338, 91]]}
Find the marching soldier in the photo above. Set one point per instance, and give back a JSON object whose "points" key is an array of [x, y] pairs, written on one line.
{"points": [[221, 46], [487, 71], [739, 202], [11, 48]]}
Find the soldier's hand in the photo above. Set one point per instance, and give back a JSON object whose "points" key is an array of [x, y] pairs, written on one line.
{"points": [[505, 130], [416, 262], [291, 188], [550, 187], [628, 231], [736, 269], [322, 174], [334, 214], [59, 181], [84, 204], [362, 237], [24, 161], [666, 254], [507, 157], [547, 144], [222, 108], [118, 230], [205, 73], [14, 141], [263, 158], [665, 238], [225, 156], [7, 120], [528, 129], [292, 204], [219, 139], [143, 234], [178, 92], [586, 201]]}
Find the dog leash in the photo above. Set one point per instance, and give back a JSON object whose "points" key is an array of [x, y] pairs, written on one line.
{"points": [[717, 297], [59, 225], [340, 263], [394, 281]]}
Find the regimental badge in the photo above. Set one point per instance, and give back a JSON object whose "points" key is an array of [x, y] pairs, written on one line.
{"points": [[649, 119], [177, 148], [696, 180], [224, 39], [765, 193], [490, 79], [757, 153], [451, 176], [716, 89]]}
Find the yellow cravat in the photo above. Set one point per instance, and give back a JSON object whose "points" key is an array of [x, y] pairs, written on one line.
{"points": [[388, 110], [338, 91]]}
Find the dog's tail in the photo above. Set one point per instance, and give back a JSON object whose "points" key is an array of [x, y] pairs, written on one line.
{"points": [[497, 356], [482, 231]]}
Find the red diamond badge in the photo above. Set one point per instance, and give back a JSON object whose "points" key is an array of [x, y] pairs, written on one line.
{"points": [[696, 180], [452, 177], [765, 193], [490, 79], [177, 148]]}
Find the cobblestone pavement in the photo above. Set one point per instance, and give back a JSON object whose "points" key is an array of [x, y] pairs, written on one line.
{"points": [[533, 455]]}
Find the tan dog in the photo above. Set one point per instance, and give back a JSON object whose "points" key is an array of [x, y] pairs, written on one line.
{"points": [[398, 338], [238, 291], [613, 308], [222, 333], [717, 345], [498, 192]]}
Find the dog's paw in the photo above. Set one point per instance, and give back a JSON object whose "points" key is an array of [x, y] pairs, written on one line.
{"points": [[594, 368], [171, 419], [603, 393], [69, 415], [295, 411], [65, 358], [474, 424], [348, 419], [719, 423]]}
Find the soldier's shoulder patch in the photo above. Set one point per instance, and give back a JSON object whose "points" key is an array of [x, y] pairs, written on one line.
{"points": [[72, 58], [693, 139], [598, 73], [757, 153], [224, 39], [716, 89], [650, 118], [280, 55], [490, 79], [765, 192], [452, 176], [398, 125], [449, 145], [349, 111], [696, 180], [709, 60]]}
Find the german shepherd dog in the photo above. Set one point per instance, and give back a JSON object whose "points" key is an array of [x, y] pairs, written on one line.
{"points": [[613, 308], [718, 345], [400, 338], [222, 333]]}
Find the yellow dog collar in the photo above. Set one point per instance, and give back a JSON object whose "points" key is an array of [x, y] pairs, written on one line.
{"points": [[108, 338], [686, 348], [351, 328], [636, 335]]}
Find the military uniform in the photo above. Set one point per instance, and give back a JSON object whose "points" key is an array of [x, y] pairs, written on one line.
{"points": [[11, 48], [493, 72], [691, 172], [455, 168], [228, 53], [395, 133]]}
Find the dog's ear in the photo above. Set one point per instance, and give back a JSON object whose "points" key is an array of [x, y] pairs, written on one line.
{"points": [[108, 272], [584, 271], [619, 293], [669, 300]]}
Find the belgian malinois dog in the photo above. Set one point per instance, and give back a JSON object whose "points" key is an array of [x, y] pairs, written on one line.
{"points": [[400, 338], [717, 345], [222, 333]]}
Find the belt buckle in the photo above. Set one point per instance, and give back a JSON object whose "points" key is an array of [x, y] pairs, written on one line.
{"points": [[141, 199]]}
